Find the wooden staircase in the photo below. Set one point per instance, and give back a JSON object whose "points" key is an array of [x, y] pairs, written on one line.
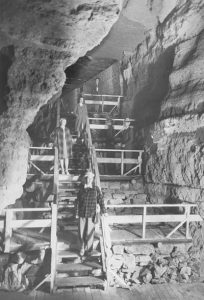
{"points": [[70, 270]]}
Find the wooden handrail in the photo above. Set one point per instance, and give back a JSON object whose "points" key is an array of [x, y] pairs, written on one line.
{"points": [[119, 150], [104, 95], [42, 148], [28, 209], [150, 205], [114, 120], [56, 176]]}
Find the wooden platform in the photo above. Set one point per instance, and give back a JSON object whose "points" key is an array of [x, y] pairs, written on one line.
{"points": [[193, 291]]}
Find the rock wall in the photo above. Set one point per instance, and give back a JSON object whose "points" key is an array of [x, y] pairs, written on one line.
{"points": [[164, 92], [39, 40], [164, 88]]}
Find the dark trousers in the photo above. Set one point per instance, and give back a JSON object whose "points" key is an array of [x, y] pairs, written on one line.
{"points": [[86, 233]]}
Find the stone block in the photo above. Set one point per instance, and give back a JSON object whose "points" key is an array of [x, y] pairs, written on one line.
{"points": [[116, 201], [116, 262], [136, 274], [145, 249], [128, 263], [125, 186], [104, 184], [139, 199], [118, 249], [114, 185], [119, 196], [142, 260]]}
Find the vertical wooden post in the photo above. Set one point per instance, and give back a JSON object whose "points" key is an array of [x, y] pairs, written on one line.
{"points": [[102, 107], [187, 221], [8, 230], [140, 162], [53, 247], [144, 222], [122, 162], [58, 112]]}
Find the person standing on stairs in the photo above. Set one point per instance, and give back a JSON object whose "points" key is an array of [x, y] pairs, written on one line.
{"points": [[81, 116], [63, 140], [88, 198]]}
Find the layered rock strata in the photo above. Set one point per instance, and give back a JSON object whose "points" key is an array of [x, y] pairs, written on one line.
{"points": [[164, 92]]}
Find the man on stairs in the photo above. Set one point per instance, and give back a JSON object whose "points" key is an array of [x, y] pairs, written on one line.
{"points": [[88, 197]]}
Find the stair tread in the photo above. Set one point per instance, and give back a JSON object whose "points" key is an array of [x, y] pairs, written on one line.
{"points": [[79, 281], [72, 267], [72, 254]]}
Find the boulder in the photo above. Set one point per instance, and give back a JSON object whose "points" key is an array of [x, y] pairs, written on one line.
{"points": [[145, 249], [118, 249]]}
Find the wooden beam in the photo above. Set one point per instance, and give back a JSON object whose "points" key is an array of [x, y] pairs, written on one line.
{"points": [[113, 160], [175, 229], [37, 223], [119, 150], [104, 95], [105, 127], [53, 247], [137, 219], [150, 205], [42, 157], [8, 230], [105, 102]]}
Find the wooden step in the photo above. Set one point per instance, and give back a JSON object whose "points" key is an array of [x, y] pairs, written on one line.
{"points": [[65, 205], [67, 189], [83, 281], [118, 177], [67, 197], [80, 267], [72, 254]]}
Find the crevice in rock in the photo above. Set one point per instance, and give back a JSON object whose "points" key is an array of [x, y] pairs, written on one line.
{"points": [[6, 57], [147, 103]]}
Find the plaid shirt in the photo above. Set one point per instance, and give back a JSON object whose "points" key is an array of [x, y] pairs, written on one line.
{"points": [[87, 200]]}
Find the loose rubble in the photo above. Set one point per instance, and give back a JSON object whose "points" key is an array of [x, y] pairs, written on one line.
{"points": [[163, 263]]}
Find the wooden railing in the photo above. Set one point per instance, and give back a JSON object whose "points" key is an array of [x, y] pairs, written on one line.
{"points": [[188, 215], [11, 223], [122, 160], [38, 155], [118, 124], [113, 100]]}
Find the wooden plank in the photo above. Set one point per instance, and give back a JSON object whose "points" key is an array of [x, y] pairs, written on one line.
{"points": [[114, 120], [175, 229], [88, 281], [41, 148], [2, 222], [144, 222], [105, 102], [53, 247], [150, 205], [23, 209], [8, 230], [104, 126], [131, 219], [72, 267], [72, 254], [104, 95], [42, 157], [118, 150], [37, 223], [113, 160]]}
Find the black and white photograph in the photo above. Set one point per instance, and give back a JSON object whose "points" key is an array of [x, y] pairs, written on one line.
{"points": [[102, 149]]}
